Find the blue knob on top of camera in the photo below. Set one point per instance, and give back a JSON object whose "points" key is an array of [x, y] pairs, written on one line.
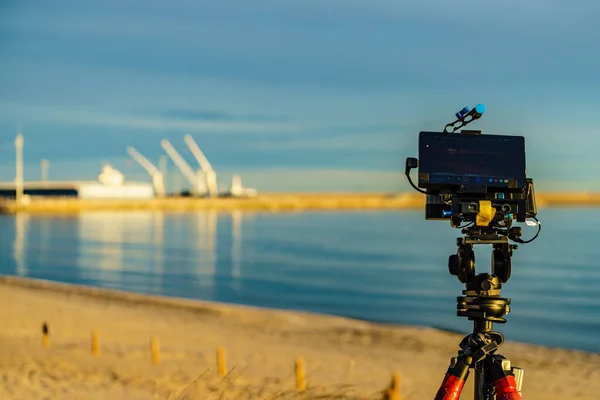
{"points": [[478, 111]]}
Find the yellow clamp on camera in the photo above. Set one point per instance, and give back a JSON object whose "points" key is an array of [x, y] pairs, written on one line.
{"points": [[486, 213]]}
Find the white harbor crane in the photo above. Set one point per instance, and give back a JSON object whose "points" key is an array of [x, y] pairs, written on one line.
{"points": [[210, 176], [158, 179], [237, 189], [196, 179]]}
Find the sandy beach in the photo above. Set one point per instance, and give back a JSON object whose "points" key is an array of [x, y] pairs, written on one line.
{"points": [[344, 359]]}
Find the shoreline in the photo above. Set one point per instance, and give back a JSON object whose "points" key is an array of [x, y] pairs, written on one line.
{"points": [[341, 354], [270, 202]]}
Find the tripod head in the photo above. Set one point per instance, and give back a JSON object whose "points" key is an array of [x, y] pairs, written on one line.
{"points": [[481, 301]]}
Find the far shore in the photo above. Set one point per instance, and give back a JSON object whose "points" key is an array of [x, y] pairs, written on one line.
{"points": [[343, 358], [272, 202]]}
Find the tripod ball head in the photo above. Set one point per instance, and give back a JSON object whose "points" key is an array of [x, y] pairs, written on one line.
{"points": [[502, 264], [462, 264]]}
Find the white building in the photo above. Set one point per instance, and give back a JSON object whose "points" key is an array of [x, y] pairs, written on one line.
{"points": [[111, 184]]}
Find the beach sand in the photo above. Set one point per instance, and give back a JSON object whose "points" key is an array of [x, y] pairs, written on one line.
{"points": [[344, 359]]}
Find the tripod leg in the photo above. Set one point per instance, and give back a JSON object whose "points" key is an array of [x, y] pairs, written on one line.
{"points": [[503, 378], [455, 379], [480, 383]]}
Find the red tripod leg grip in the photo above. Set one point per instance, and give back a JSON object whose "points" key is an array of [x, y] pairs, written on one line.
{"points": [[506, 389], [450, 388]]}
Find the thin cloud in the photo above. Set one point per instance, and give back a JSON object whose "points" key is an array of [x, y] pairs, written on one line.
{"points": [[365, 141], [350, 137], [72, 116], [211, 115]]}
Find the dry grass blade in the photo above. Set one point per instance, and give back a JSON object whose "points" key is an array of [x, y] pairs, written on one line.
{"points": [[185, 389]]}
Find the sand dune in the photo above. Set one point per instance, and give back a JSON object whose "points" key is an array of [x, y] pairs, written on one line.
{"points": [[345, 359]]}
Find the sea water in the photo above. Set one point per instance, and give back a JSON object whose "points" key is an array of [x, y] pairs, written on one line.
{"points": [[381, 266]]}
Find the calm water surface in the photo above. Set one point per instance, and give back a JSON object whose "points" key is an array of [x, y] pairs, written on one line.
{"points": [[380, 266]]}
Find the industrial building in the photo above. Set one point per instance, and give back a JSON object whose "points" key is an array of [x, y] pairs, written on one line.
{"points": [[110, 185]]}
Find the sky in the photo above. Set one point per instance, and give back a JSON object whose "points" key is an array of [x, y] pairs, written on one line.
{"points": [[296, 95]]}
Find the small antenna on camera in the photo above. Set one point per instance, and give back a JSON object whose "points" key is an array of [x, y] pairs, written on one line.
{"points": [[465, 117]]}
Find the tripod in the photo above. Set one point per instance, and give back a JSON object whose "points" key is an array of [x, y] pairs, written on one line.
{"points": [[495, 377]]}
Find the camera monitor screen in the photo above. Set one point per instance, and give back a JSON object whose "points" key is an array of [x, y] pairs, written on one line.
{"points": [[448, 160]]}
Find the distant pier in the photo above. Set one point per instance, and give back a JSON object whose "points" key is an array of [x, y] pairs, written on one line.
{"points": [[263, 202], [266, 202]]}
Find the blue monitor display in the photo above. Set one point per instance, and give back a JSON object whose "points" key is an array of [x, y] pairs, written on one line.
{"points": [[449, 160]]}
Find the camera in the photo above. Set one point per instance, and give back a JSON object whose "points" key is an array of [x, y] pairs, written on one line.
{"points": [[469, 177]]}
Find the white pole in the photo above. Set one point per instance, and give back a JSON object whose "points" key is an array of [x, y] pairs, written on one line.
{"points": [[44, 165], [19, 169]]}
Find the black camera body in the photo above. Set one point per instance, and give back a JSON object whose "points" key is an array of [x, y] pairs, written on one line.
{"points": [[459, 170], [467, 207]]}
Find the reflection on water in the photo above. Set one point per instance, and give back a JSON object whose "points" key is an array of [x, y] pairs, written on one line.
{"points": [[159, 223], [100, 247], [236, 283], [204, 257], [236, 247], [44, 240], [127, 249], [119, 248], [158, 219], [206, 225], [21, 225]]}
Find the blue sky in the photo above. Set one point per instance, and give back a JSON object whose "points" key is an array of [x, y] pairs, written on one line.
{"points": [[296, 95]]}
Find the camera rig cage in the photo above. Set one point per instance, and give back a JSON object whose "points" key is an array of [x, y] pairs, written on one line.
{"points": [[483, 208]]}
